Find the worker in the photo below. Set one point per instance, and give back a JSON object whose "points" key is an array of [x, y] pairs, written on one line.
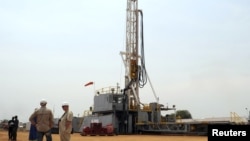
{"points": [[65, 123], [11, 125], [15, 128], [44, 121], [33, 131]]}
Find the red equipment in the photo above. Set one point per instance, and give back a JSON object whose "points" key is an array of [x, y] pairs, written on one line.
{"points": [[97, 129]]}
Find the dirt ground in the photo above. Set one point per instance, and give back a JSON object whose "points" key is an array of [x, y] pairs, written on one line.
{"points": [[23, 136]]}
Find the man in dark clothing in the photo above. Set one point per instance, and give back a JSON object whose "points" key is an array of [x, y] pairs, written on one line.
{"points": [[11, 125], [16, 125]]}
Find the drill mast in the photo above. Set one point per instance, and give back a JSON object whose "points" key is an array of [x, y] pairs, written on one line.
{"points": [[131, 56]]}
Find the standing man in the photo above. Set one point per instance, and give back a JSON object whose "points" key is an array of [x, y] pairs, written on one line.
{"points": [[33, 131], [11, 125], [15, 128], [65, 123], [44, 121]]}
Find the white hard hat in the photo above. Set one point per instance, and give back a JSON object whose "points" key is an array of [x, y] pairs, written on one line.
{"points": [[65, 104], [43, 101]]}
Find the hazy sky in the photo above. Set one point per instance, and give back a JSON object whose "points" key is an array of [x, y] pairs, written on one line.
{"points": [[197, 54]]}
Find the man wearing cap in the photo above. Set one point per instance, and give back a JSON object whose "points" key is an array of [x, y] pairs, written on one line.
{"points": [[44, 121], [65, 123]]}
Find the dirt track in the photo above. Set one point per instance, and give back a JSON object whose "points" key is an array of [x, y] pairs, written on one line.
{"points": [[23, 136]]}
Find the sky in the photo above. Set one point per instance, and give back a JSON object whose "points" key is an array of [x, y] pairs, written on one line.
{"points": [[197, 54]]}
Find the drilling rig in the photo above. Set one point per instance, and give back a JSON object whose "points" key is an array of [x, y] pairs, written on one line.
{"points": [[119, 108], [120, 111]]}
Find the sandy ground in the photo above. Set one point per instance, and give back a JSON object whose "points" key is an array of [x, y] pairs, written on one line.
{"points": [[23, 136]]}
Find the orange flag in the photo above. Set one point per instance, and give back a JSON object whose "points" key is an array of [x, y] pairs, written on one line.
{"points": [[89, 83]]}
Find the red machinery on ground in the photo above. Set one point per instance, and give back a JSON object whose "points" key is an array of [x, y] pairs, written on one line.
{"points": [[98, 129]]}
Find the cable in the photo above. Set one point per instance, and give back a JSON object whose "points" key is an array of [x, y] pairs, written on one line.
{"points": [[142, 69]]}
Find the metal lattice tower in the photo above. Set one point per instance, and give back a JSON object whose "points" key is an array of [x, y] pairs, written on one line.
{"points": [[130, 57]]}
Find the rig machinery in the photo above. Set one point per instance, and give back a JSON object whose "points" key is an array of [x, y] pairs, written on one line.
{"points": [[119, 111]]}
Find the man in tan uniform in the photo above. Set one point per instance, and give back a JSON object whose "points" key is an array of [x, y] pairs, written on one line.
{"points": [[65, 123], [44, 121]]}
